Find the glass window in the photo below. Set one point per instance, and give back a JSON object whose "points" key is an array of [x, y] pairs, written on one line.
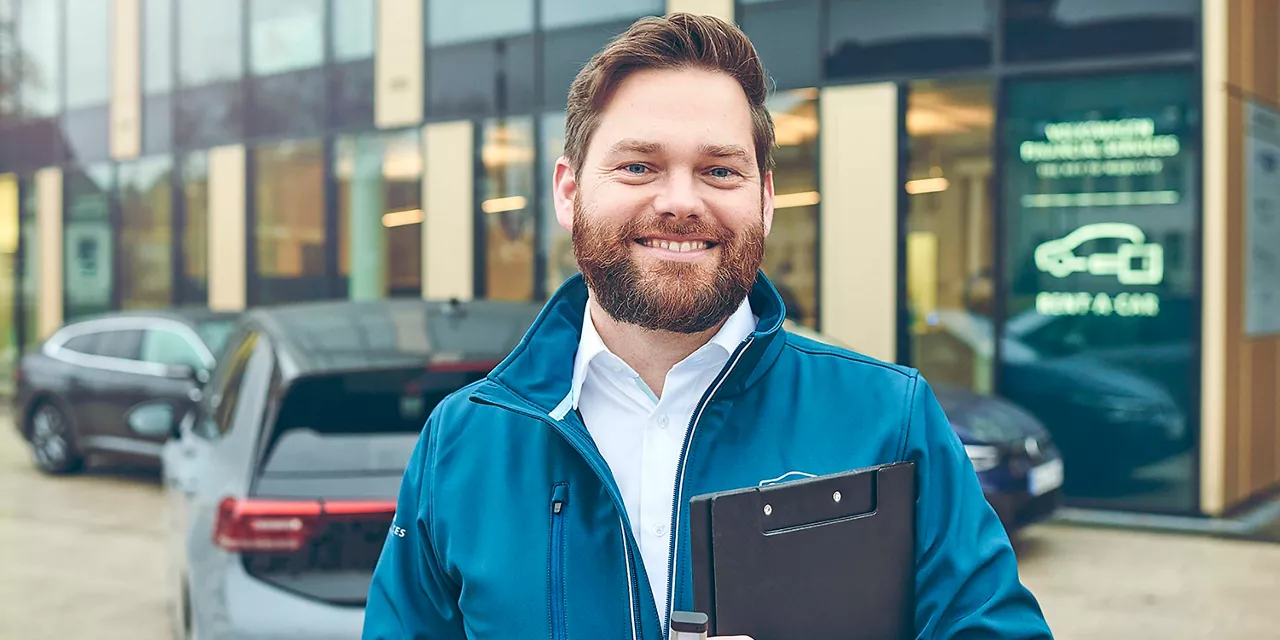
{"points": [[791, 248], [289, 229], [86, 344], [454, 22], [38, 37], [9, 64], [227, 391], [285, 35], [489, 77], [88, 253], [30, 250], [950, 232], [784, 34], [146, 233], [558, 14], [194, 274], [1038, 30], [557, 242], [169, 348], [124, 344], [1100, 336], [506, 205], [354, 29], [379, 194], [88, 52], [886, 37], [209, 49], [157, 74]]}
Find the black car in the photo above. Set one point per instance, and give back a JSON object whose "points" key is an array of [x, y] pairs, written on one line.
{"points": [[85, 389], [282, 483]]}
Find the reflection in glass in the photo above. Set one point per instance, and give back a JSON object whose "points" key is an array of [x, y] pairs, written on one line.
{"points": [[157, 74], [194, 288], [38, 38], [507, 207], [285, 35], [209, 35], [949, 252], [1053, 30], [494, 76], [146, 232], [30, 285], [88, 54], [783, 33], [1100, 336], [790, 259], [379, 195], [289, 222], [88, 277], [455, 22], [881, 37], [557, 242], [559, 14], [354, 29]]}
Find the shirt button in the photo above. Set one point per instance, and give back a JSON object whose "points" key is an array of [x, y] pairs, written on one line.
{"points": [[662, 421], [659, 529]]}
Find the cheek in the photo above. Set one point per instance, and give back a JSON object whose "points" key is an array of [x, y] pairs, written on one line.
{"points": [[613, 203]]}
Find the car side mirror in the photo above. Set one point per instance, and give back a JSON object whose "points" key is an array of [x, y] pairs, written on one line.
{"points": [[155, 419]]}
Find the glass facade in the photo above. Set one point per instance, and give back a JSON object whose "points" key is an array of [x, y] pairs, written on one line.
{"points": [[999, 99]]}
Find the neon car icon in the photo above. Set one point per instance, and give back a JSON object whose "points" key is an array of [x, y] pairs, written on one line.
{"points": [[1135, 261]]}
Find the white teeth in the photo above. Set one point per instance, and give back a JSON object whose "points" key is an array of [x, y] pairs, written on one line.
{"points": [[679, 247]]}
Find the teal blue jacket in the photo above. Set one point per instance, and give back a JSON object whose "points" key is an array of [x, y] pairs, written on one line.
{"points": [[510, 524]]}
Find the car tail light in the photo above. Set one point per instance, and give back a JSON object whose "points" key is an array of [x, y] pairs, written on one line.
{"points": [[285, 525]]}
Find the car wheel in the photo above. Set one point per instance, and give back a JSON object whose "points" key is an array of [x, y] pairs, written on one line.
{"points": [[52, 442]]}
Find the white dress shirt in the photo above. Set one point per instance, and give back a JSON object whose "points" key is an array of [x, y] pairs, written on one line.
{"points": [[640, 435]]}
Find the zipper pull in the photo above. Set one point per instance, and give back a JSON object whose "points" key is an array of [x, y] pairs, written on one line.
{"points": [[559, 498], [556, 506]]}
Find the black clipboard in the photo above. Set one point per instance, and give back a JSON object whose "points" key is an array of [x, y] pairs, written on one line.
{"points": [[825, 557]]}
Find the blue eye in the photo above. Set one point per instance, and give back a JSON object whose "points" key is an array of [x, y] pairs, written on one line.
{"points": [[721, 172], [635, 169]]}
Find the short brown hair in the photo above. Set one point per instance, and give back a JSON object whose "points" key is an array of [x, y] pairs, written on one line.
{"points": [[668, 42]]}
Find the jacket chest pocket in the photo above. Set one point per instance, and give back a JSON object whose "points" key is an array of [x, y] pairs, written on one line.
{"points": [[556, 561]]}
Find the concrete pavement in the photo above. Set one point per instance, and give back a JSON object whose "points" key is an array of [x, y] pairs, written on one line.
{"points": [[83, 557]]}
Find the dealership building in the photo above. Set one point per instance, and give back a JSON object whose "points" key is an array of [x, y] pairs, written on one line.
{"points": [[1072, 204]]}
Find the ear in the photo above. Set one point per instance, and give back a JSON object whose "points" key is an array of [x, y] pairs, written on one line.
{"points": [[767, 204], [565, 188]]}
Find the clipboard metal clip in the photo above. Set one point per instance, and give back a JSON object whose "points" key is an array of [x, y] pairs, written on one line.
{"points": [[784, 477]]}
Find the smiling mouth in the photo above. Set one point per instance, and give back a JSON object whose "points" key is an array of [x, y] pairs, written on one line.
{"points": [[678, 246]]}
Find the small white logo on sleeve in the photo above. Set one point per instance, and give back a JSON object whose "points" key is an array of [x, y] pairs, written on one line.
{"points": [[397, 531]]}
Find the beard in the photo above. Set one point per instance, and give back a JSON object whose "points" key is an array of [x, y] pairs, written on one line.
{"points": [[666, 295]]}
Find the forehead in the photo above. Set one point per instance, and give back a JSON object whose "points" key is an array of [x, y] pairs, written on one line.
{"points": [[676, 108]]}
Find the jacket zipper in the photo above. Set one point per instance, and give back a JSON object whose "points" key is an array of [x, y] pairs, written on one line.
{"points": [[679, 483], [559, 502], [594, 461]]}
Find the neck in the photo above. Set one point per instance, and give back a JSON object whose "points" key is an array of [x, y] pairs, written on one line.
{"points": [[651, 353]]}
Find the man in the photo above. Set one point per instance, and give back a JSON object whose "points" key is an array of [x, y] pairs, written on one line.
{"points": [[551, 499]]}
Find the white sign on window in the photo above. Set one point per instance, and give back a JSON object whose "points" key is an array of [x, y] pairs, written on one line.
{"points": [[1262, 220]]}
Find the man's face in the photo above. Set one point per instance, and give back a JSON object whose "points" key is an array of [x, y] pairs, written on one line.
{"points": [[669, 212]]}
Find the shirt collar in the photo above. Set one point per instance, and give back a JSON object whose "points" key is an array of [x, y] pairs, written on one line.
{"points": [[736, 328]]}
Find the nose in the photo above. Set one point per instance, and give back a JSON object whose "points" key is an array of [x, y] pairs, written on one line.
{"points": [[678, 197]]}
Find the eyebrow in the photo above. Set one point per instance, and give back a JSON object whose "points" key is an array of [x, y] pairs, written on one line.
{"points": [[631, 145]]}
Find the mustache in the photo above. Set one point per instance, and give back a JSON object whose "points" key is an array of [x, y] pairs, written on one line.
{"points": [[640, 228]]}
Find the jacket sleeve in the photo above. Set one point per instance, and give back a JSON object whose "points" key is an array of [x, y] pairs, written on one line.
{"points": [[967, 583], [411, 596]]}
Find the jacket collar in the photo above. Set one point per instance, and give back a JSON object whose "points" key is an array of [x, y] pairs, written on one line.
{"points": [[540, 368]]}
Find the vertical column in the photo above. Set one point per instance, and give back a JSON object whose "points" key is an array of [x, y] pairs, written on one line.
{"points": [[49, 232], [227, 238], [448, 206], [859, 223], [126, 80], [365, 230], [1213, 358], [398, 64], [722, 9]]}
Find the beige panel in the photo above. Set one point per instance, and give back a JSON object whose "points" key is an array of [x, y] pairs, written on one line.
{"points": [[126, 80], [448, 230], [49, 251], [227, 228], [718, 8], [398, 84], [859, 228], [1214, 223]]}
